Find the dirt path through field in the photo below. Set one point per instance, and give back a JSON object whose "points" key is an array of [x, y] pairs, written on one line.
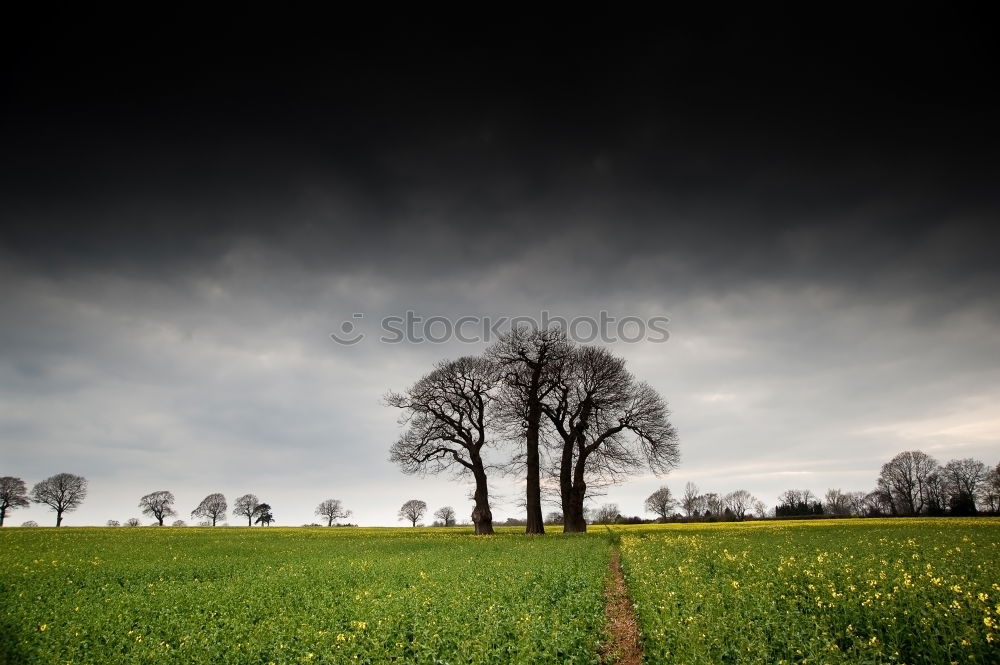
{"points": [[624, 647]]}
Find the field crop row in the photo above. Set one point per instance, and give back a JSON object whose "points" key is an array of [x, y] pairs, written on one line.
{"points": [[241, 596], [873, 591]]}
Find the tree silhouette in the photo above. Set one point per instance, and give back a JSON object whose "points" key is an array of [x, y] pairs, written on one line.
{"points": [[412, 510], [246, 506], [448, 415], [213, 507], [63, 493], [331, 509], [158, 505], [13, 494]]}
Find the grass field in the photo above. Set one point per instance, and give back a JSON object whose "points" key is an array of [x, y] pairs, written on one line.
{"points": [[863, 591]]}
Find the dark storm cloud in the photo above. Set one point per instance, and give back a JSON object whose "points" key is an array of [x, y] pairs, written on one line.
{"points": [[721, 154]]}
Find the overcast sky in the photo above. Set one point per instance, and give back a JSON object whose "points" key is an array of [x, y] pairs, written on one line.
{"points": [[187, 217]]}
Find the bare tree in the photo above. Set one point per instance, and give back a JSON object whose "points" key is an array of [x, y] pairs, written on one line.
{"points": [[158, 505], [264, 515], [412, 510], [178, 523], [714, 504], [63, 493], [837, 503], [332, 510], [963, 479], [133, 521], [246, 506], [446, 514], [531, 360], [448, 419], [905, 479], [213, 508], [13, 495], [689, 500], [759, 509], [989, 491], [553, 518], [738, 502], [608, 425], [606, 514], [661, 502], [29, 523], [113, 523]]}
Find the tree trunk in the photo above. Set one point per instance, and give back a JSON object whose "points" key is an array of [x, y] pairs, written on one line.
{"points": [[573, 521], [59, 518], [250, 519], [3, 514], [482, 516], [329, 521], [533, 500]]}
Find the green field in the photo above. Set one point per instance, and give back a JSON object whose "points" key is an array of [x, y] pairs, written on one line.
{"points": [[241, 596], [863, 591]]}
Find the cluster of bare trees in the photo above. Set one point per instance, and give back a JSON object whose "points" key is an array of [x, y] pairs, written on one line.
{"points": [[571, 417], [914, 483], [63, 493]]}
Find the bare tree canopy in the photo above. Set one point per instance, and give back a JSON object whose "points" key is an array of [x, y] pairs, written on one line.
{"points": [[158, 505], [448, 419], [133, 521], [246, 506], [608, 425], [412, 510], [661, 502], [689, 500], [738, 502], [606, 514], [63, 493], [113, 523], [212, 508], [963, 479], [531, 360], [446, 514], [906, 481], [13, 495], [332, 510]]}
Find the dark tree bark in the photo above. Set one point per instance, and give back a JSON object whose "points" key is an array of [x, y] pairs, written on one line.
{"points": [[447, 415], [532, 360]]}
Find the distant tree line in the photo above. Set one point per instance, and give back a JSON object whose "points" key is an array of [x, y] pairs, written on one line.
{"points": [[911, 483]]}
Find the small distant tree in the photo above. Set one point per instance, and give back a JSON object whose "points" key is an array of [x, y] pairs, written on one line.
{"points": [[63, 493], [989, 491], [264, 515], [661, 502], [553, 518], [212, 508], [689, 500], [246, 506], [133, 521], [332, 510], [446, 514], [158, 505], [113, 523], [837, 503], [738, 503], [13, 494], [412, 510], [179, 523], [606, 514], [759, 509], [29, 523]]}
